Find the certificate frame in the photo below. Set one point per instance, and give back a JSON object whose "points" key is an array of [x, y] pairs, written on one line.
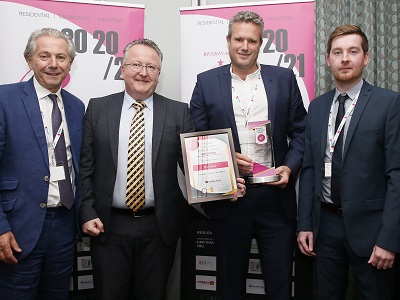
{"points": [[210, 165]]}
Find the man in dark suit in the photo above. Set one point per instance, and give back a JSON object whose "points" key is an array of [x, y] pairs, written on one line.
{"points": [[133, 249], [233, 96], [40, 140], [349, 206]]}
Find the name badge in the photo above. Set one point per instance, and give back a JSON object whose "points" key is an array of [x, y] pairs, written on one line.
{"points": [[57, 173], [328, 169], [261, 135]]}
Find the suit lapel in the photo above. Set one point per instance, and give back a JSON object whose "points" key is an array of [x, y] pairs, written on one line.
{"points": [[326, 106], [73, 125], [114, 118], [31, 104], [160, 109], [271, 91], [225, 80], [362, 101]]}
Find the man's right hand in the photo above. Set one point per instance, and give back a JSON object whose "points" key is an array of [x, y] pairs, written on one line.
{"points": [[245, 164], [8, 244], [93, 227], [305, 239]]}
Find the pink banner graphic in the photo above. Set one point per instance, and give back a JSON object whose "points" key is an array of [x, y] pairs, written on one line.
{"points": [[100, 31], [288, 40]]}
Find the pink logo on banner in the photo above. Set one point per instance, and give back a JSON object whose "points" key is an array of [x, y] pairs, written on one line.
{"points": [[63, 84], [292, 19], [117, 18]]}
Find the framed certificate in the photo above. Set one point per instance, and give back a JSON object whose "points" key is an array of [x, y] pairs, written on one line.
{"points": [[210, 165]]}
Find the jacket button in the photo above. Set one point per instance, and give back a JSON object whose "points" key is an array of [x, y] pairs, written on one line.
{"points": [[43, 205], [46, 178]]}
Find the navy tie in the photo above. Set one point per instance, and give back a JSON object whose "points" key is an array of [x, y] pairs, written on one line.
{"points": [[60, 153], [337, 154]]}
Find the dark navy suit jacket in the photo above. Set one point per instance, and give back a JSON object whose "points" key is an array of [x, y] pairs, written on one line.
{"points": [[211, 108], [370, 183], [24, 162]]}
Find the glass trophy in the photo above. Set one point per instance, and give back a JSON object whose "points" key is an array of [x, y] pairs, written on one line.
{"points": [[263, 172]]}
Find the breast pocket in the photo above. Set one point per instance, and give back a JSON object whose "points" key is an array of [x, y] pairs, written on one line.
{"points": [[366, 132], [374, 204]]}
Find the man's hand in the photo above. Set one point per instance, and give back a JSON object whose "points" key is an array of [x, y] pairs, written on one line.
{"points": [[93, 227], [284, 172], [382, 258], [306, 243], [241, 185], [8, 244], [245, 164]]}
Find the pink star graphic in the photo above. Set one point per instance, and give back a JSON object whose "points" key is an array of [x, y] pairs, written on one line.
{"points": [[220, 62]]}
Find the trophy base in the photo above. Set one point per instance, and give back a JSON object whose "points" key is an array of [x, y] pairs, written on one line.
{"points": [[264, 179]]}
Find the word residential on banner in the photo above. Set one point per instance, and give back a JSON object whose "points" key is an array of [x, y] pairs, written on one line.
{"points": [[100, 31], [288, 40]]}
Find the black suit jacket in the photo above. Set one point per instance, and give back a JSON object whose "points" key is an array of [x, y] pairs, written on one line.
{"points": [[370, 183], [99, 158]]}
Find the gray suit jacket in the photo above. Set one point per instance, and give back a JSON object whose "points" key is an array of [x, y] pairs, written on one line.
{"points": [[99, 158]]}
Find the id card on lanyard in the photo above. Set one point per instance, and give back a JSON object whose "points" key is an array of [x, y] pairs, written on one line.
{"points": [[57, 171], [333, 137]]}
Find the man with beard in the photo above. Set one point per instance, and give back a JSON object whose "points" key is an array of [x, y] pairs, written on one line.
{"points": [[349, 206]]}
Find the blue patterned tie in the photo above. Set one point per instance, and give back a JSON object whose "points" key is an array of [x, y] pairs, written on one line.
{"points": [[60, 153]]}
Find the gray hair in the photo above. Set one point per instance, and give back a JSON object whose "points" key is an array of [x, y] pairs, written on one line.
{"points": [[145, 42], [247, 17], [51, 32]]}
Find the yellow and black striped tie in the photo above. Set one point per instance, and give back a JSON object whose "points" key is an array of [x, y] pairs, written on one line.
{"points": [[135, 196]]}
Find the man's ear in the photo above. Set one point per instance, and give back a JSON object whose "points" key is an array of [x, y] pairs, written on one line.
{"points": [[28, 61]]}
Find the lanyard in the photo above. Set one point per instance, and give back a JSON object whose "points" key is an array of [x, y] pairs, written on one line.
{"points": [[56, 137], [334, 137], [236, 96]]}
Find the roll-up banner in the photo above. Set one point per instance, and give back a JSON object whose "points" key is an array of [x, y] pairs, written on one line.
{"points": [[100, 31], [288, 41]]}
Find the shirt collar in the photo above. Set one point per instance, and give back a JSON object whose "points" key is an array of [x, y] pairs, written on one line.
{"points": [[128, 101], [352, 92], [42, 92], [251, 76]]}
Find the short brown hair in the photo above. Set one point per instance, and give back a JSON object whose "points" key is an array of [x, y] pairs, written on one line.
{"points": [[345, 30], [246, 17]]}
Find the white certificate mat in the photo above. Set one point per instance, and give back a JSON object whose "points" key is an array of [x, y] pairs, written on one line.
{"points": [[210, 165]]}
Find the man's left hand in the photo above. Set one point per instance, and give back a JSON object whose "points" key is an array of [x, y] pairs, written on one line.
{"points": [[284, 172], [241, 186], [382, 258]]}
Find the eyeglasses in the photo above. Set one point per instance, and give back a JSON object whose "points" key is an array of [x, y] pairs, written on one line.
{"points": [[138, 67]]}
